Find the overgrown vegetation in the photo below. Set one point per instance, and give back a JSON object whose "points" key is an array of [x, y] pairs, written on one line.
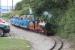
{"points": [[67, 23]]}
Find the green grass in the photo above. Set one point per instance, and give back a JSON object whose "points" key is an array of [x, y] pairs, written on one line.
{"points": [[14, 44]]}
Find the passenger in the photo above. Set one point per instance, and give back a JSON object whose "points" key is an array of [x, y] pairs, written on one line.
{"points": [[38, 20], [42, 25]]}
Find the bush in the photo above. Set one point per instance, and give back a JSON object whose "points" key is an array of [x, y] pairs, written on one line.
{"points": [[6, 16]]}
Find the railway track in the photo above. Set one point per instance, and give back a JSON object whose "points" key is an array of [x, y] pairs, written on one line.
{"points": [[58, 45], [61, 44]]}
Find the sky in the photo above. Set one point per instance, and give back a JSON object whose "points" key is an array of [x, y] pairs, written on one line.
{"points": [[6, 4], [9, 2]]}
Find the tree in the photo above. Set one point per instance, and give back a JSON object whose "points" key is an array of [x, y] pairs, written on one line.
{"points": [[18, 6]]}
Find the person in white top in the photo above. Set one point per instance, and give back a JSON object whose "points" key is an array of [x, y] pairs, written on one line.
{"points": [[42, 23]]}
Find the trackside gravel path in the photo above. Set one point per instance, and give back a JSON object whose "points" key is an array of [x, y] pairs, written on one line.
{"points": [[38, 42]]}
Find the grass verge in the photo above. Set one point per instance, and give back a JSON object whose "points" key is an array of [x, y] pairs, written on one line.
{"points": [[13, 44]]}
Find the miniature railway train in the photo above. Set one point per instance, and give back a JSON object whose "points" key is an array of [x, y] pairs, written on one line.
{"points": [[29, 23]]}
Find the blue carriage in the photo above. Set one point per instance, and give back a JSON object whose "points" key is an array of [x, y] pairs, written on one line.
{"points": [[21, 22], [15, 21], [24, 23]]}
